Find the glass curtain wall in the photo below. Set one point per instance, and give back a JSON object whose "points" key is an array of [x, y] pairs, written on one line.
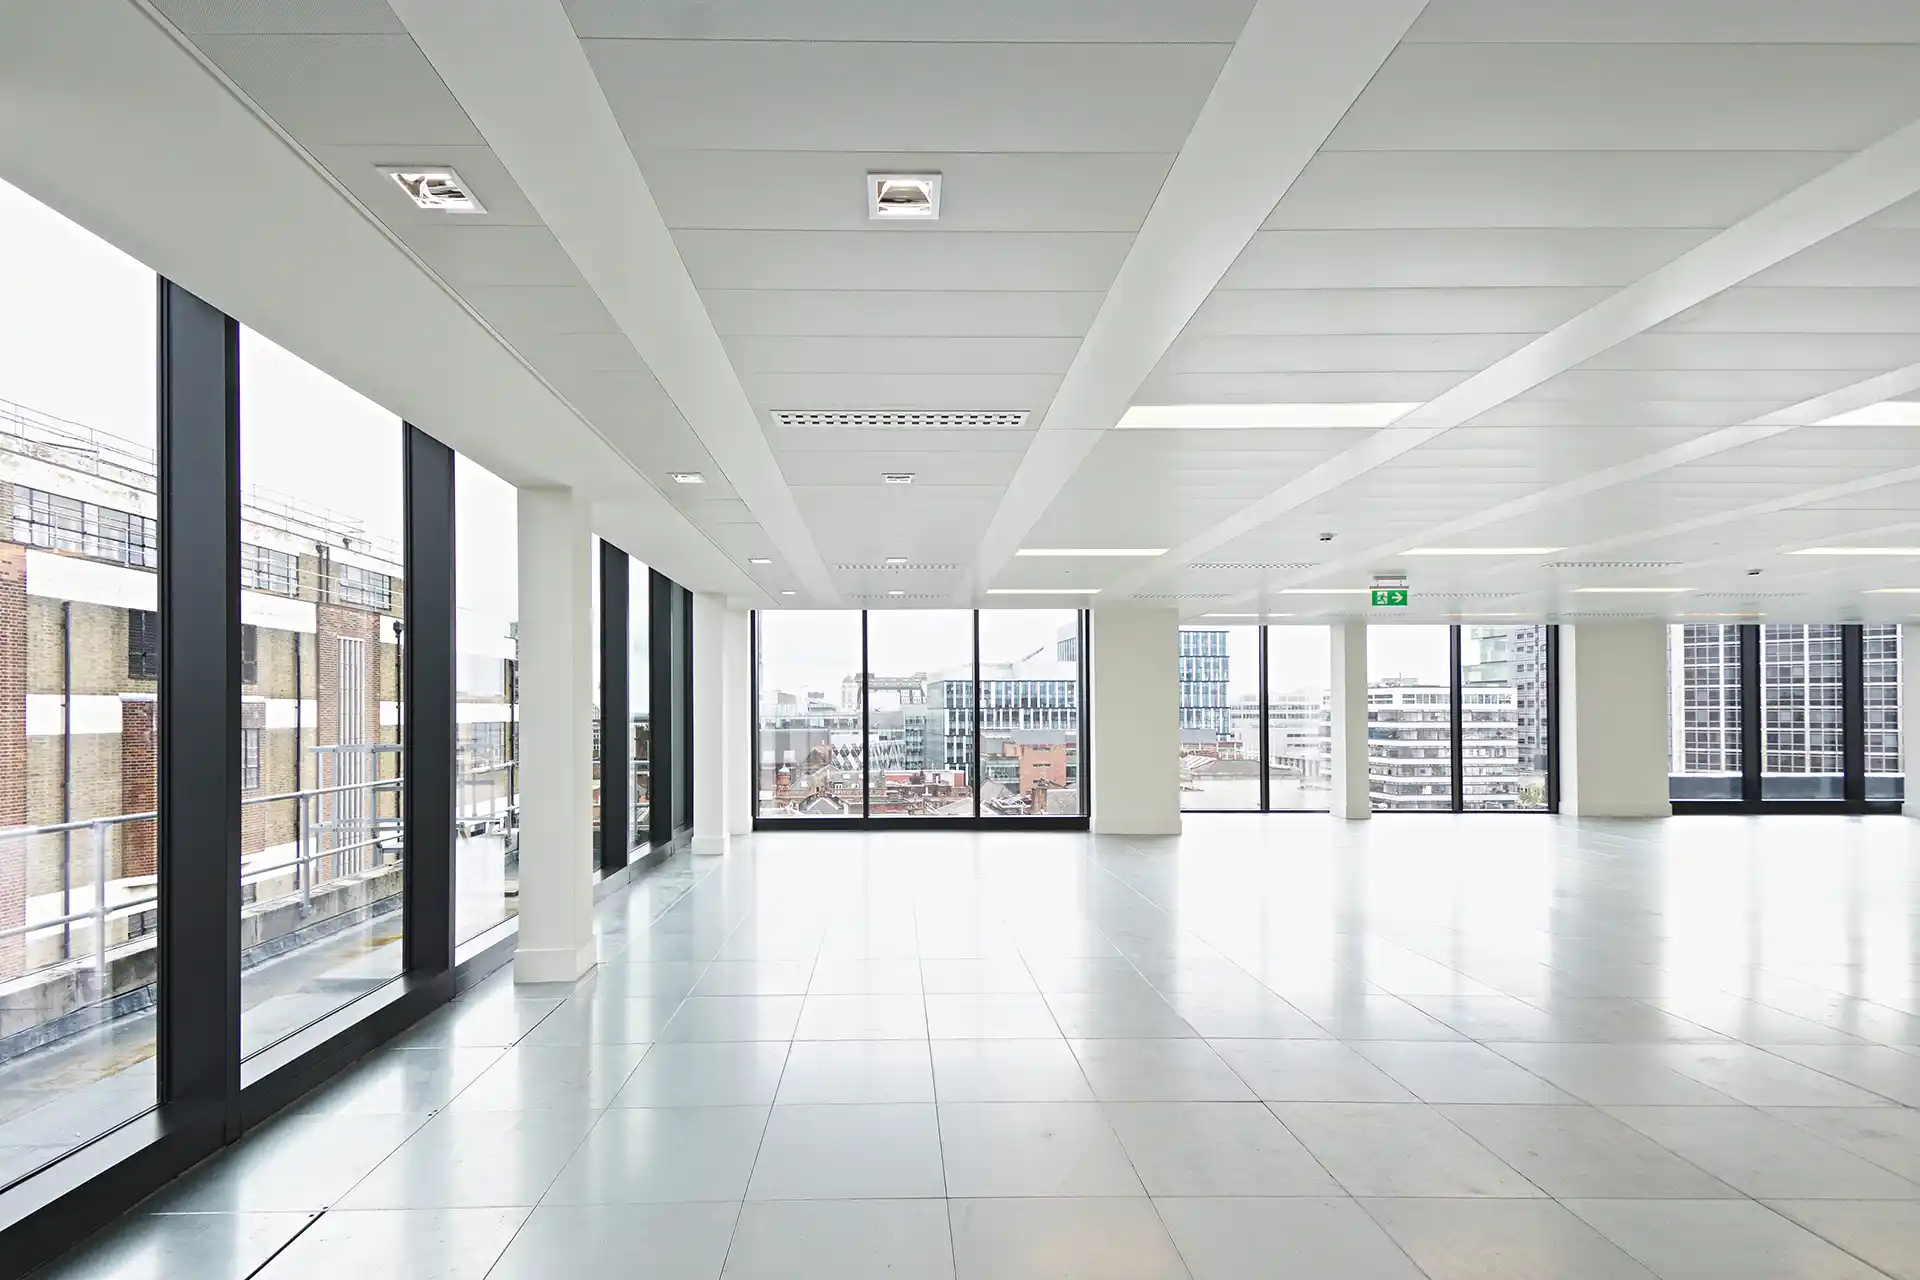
{"points": [[809, 672], [487, 746], [1703, 712], [1220, 762], [920, 713], [1410, 718], [1801, 730], [1029, 713], [322, 594], [1503, 717], [639, 695], [1299, 719], [79, 660], [1880, 678], [598, 683]]}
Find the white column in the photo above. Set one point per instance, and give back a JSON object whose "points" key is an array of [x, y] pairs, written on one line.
{"points": [[1613, 720], [709, 723], [1910, 714], [1352, 796], [740, 712], [556, 738], [1135, 706]]}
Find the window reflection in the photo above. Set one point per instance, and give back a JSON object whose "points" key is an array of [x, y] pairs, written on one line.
{"points": [[486, 872]]}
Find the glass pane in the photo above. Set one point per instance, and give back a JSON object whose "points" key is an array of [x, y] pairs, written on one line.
{"points": [[322, 845], [1503, 717], [810, 750], [1801, 753], [1409, 718], [920, 723], [1886, 779], [639, 690], [78, 659], [598, 682], [1299, 718], [1029, 713], [486, 577], [1703, 712], [1219, 717]]}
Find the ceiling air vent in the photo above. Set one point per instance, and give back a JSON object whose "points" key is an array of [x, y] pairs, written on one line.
{"points": [[898, 596], [1747, 595], [898, 568], [1227, 566], [1183, 595], [901, 419], [1475, 595], [1565, 616], [1614, 564]]}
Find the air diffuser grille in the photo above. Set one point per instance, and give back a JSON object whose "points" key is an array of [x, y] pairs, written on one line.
{"points": [[883, 597], [1614, 564], [898, 568], [901, 419], [1244, 565]]}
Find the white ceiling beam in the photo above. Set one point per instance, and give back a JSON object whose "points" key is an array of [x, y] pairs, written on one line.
{"points": [[1297, 67], [521, 74], [1857, 188]]}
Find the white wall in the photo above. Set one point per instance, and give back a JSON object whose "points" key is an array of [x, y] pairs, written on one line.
{"points": [[1352, 796], [1613, 720], [1135, 707]]}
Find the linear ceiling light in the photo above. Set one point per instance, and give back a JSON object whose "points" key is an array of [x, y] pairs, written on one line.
{"points": [[896, 477], [1255, 616], [896, 559], [686, 477], [1856, 551], [1242, 417], [1483, 615], [1893, 591], [1631, 591], [1091, 551], [1888, 413], [1481, 551], [789, 593], [1750, 614], [758, 560], [1324, 591], [1043, 591]]}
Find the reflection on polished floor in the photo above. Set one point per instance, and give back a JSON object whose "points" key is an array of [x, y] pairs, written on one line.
{"points": [[1423, 1046]]}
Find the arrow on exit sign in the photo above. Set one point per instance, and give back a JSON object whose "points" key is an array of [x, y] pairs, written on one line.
{"points": [[1389, 597]]}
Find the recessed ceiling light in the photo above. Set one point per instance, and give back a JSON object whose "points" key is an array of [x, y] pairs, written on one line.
{"points": [[1231, 417], [1043, 591], [1481, 551], [1888, 413], [1724, 615], [759, 560], [1091, 551], [789, 593], [1856, 551], [1483, 615], [686, 477], [896, 559], [896, 477], [896, 593], [436, 190], [1324, 591], [1893, 591], [903, 197], [1631, 591]]}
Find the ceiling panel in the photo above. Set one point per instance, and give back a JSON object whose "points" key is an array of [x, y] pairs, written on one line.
{"points": [[1662, 21], [969, 313], [884, 259], [888, 20], [560, 353], [1784, 386], [1292, 388], [1634, 97], [913, 443], [262, 17], [826, 191], [1622, 413], [1863, 257], [1474, 258], [1307, 311], [933, 469], [1342, 353], [740, 95], [477, 254], [359, 89], [1411, 189], [517, 310], [901, 390], [889, 354], [1761, 309], [1864, 352]]}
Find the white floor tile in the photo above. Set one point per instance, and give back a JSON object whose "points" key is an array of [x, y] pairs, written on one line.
{"points": [[1244, 1238], [1062, 1239], [995, 1149], [1215, 1149], [1717, 1240], [850, 1153], [842, 1240]]}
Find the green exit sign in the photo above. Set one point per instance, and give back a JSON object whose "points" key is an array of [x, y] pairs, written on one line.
{"points": [[1389, 597]]}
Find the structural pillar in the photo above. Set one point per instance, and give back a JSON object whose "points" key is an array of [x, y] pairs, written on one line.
{"points": [[711, 723], [556, 737], [1135, 705], [1352, 795], [1613, 720], [1910, 714], [740, 711]]}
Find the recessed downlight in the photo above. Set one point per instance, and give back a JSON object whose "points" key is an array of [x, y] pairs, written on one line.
{"points": [[686, 477], [1481, 551], [1249, 417], [903, 197], [1043, 591], [1092, 551], [789, 593], [436, 190], [896, 559], [896, 477], [758, 560], [896, 593]]}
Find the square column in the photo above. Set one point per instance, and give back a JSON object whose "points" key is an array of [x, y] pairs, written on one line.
{"points": [[1613, 720], [1352, 796], [711, 723], [1135, 706], [556, 738], [740, 712]]}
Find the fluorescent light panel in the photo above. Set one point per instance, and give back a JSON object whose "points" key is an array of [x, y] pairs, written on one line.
{"points": [[1043, 591], [1856, 551], [758, 560], [1247, 417], [1888, 413], [1481, 551], [1325, 591], [1091, 551], [686, 477], [1893, 591]]}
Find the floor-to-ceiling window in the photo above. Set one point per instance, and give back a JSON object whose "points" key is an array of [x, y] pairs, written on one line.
{"points": [[1800, 713], [1703, 712], [1410, 717], [79, 661], [322, 593], [920, 713], [1220, 762], [1030, 701], [639, 694], [487, 756], [1299, 718], [1504, 720], [809, 741], [1880, 697]]}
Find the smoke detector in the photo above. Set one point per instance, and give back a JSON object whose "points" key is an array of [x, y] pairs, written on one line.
{"points": [[903, 197], [436, 190]]}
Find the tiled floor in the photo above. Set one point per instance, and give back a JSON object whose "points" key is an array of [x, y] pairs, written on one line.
{"points": [[1496, 1048]]}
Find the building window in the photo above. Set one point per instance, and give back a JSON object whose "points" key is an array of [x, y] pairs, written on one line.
{"points": [[264, 569], [250, 759], [60, 523], [365, 587], [249, 655], [143, 645]]}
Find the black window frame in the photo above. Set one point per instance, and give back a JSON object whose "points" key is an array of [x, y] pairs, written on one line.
{"points": [[143, 644]]}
